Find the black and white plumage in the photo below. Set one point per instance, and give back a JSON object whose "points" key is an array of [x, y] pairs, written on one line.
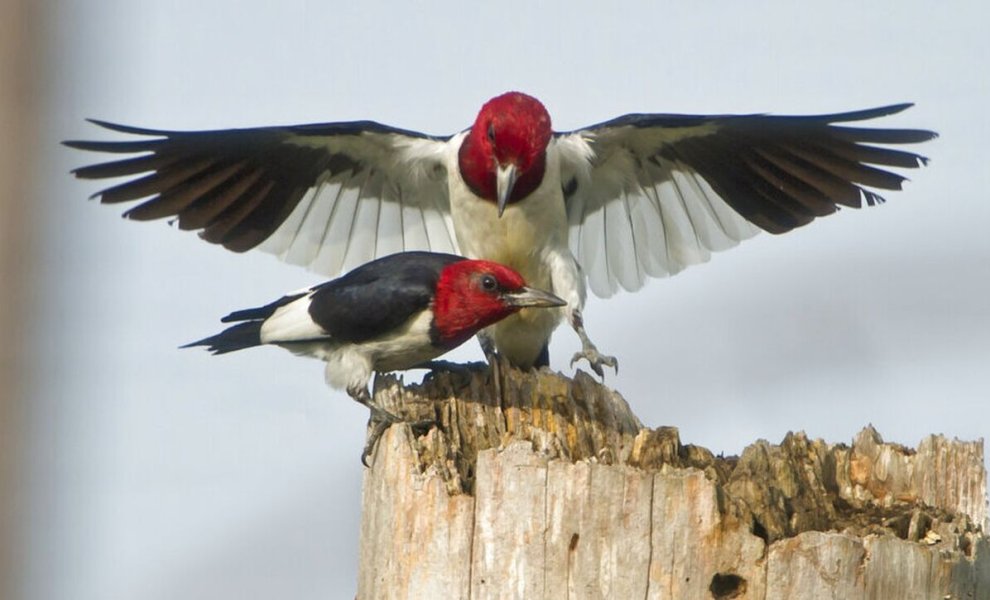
{"points": [[609, 205], [393, 313]]}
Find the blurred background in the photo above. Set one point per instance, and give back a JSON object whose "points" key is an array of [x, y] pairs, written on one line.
{"points": [[131, 469]]}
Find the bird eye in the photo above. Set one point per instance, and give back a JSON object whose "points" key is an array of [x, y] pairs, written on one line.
{"points": [[488, 283], [491, 132]]}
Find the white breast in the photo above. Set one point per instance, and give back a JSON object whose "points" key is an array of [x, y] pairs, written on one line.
{"points": [[530, 237], [523, 235]]}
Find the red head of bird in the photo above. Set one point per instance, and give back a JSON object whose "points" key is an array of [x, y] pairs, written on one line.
{"points": [[503, 157], [473, 294]]}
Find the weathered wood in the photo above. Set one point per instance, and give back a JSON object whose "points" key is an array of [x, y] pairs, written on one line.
{"points": [[555, 490]]}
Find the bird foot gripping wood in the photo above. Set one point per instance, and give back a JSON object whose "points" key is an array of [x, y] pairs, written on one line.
{"points": [[379, 421], [495, 362], [377, 427], [589, 351], [596, 360]]}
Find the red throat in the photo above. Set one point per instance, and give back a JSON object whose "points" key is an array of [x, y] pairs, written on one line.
{"points": [[513, 128], [462, 305]]}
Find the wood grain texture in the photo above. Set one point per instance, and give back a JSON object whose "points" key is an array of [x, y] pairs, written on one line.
{"points": [[555, 490]]}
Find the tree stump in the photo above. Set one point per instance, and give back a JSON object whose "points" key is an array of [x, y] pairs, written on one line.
{"points": [[556, 490]]}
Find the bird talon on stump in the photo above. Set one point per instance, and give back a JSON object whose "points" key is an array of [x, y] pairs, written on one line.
{"points": [[379, 423], [378, 428], [596, 360], [494, 360]]}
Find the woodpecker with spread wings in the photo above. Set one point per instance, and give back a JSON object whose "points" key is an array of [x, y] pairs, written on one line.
{"points": [[608, 205]]}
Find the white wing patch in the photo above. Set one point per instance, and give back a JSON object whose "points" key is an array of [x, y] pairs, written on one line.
{"points": [[631, 219], [349, 218], [292, 323]]}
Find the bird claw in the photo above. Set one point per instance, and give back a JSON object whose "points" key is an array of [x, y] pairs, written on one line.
{"points": [[379, 422], [496, 363], [588, 350], [596, 360], [378, 428]]}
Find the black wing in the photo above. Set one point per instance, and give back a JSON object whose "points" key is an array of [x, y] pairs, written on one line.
{"points": [[379, 297], [664, 191], [328, 196]]}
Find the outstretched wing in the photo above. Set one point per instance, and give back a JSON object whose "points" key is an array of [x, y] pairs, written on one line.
{"points": [[648, 195], [327, 196]]}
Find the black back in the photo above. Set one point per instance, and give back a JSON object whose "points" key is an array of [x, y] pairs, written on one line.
{"points": [[379, 296]]}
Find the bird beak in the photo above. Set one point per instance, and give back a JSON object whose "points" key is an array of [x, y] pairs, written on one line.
{"points": [[528, 296], [505, 180]]}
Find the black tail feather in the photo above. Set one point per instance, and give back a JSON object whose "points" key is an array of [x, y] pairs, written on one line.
{"points": [[238, 337]]}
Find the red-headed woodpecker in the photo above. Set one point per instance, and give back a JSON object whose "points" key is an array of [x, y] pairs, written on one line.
{"points": [[393, 313], [642, 195]]}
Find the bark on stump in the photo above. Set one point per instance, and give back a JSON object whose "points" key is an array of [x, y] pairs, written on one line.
{"points": [[557, 491]]}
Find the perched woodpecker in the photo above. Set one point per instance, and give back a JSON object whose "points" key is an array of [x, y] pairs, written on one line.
{"points": [[638, 196], [394, 313]]}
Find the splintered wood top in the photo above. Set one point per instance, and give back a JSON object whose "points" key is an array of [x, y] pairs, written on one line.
{"points": [[555, 489]]}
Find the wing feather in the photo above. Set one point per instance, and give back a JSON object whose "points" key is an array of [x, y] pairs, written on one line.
{"points": [[327, 196], [250, 189], [288, 241], [164, 180], [414, 233], [389, 223], [648, 228], [592, 258], [336, 233], [297, 241], [145, 163], [680, 237], [653, 194], [196, 201], [732, 223], [706, 221], [439, 226], [641, 219], [619, 243], [363, 231]]}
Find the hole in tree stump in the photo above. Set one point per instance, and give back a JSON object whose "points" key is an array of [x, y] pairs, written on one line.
{"points": [[726, 586]]}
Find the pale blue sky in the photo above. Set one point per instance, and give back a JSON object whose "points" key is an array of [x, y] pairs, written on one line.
{"points": [[162, 473]]}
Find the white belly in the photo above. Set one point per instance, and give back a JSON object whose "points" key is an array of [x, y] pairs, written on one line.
{"points": [[530, 237], [350, 366]]}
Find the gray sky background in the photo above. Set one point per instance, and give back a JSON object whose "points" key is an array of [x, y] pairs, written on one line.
{"points": [[161, 473]]}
